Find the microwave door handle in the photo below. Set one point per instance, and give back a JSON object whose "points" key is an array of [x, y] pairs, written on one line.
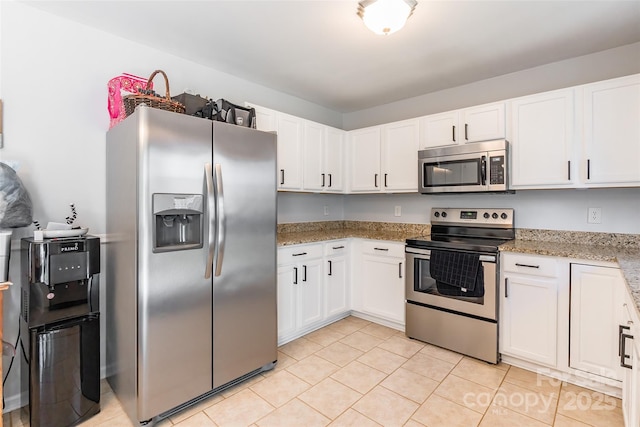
{"points": [[483, 170]]}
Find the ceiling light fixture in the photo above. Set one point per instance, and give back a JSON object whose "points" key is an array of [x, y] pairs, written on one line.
{"points": [[385, 16]]}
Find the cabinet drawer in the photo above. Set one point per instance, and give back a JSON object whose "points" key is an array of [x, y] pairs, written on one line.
{"points": [[383, 248], [530, 265], [297, 253], [336, 248]]}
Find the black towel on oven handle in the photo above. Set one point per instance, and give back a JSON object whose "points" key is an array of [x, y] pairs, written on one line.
{"points": [[456, 269]]}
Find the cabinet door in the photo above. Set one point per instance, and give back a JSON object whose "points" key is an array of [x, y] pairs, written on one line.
{"points": [[265, 118], [286, 301], [438, 130], [542, 140], [289, 152], [336, 286], [383, 287], [611, 131], [482, 123], [596, 298], [314, 177], [333, 160], [528, 324], [400, 156], [365, 160], [310, 293]]}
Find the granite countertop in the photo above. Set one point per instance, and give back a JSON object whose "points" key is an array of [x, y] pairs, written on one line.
{"points": [[295, 234], [623, 249]]}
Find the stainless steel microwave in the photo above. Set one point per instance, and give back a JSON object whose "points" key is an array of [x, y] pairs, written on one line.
{"points": [[469, 168]]}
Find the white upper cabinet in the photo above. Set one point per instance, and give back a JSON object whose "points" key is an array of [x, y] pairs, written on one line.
{"points": [[542, 140], [310, 155], [385, 158], [612, 132], [481, 123], [290, 131], [400, 156], [365, 145], [323, 152], [334, 154]]}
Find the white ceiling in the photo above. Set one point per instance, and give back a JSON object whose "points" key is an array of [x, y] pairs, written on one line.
{"points": [[320, 51]]}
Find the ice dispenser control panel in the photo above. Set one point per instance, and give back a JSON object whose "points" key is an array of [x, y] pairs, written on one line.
{"points": [[177, 221]]}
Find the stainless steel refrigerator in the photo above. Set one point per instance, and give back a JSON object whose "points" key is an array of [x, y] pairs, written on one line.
{"points": [[190, 259]]}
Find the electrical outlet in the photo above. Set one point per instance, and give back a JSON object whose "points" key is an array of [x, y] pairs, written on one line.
{"points": [[326, 210], [398, 211], [594, 216]]}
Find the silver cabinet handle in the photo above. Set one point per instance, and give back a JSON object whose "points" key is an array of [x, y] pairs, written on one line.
{"points": [[221, 223], [208, 178]]}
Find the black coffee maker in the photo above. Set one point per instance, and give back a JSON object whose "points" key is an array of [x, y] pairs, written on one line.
{"points": [[61, 329]]}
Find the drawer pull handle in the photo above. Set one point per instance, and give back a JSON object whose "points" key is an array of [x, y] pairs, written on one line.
{"points": [[301, 253], [381, 249], [527, 265], [337, 247]]}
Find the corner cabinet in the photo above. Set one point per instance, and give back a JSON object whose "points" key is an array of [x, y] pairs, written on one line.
{"points": [[529, 307], [384, 158], [543, 140], [480, 123], [612, 132]]}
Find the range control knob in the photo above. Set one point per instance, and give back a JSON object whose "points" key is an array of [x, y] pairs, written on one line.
{"points": [[503, 216], [494, 216], [436, 214], [444, 214], [486, 215]]}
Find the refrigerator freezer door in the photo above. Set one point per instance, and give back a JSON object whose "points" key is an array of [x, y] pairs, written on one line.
{"points": [[244, 310], [174, 297]]}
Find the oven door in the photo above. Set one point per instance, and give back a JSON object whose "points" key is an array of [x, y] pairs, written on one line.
{"points": [[451, 174], [421, 288]]}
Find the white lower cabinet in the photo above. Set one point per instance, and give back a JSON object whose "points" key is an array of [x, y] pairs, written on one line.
{"points": [[300, 290], [596, 298], [313, 289], [629, 356], [336, 278], [378, 282], [529, 308]]}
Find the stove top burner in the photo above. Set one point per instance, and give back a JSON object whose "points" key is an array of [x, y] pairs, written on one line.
{"points": [[477, 230], [473, 244]]}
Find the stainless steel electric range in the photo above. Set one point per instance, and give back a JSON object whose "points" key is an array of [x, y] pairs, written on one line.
{"points": [[452, 280]]}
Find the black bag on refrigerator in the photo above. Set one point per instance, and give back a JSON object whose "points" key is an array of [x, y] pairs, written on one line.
{"points": [[224, 111]]}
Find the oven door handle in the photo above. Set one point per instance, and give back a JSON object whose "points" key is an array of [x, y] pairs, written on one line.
{"points": [[417, 251], [487, 258]]}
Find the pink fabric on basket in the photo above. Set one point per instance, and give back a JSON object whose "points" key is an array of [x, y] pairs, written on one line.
{"points": [[127, 83]]}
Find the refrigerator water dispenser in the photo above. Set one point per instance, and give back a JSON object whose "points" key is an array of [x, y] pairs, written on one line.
{"points": [[177, 222]]}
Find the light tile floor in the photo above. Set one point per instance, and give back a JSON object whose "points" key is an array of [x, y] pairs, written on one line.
{"points": [[358, 373]]}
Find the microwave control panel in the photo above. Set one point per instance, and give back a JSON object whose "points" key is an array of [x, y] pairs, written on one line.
{"points": [[496, 170]]}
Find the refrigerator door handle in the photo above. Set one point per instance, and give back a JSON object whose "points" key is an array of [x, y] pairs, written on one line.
{"points": [[220, 220], [208, 177]]}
